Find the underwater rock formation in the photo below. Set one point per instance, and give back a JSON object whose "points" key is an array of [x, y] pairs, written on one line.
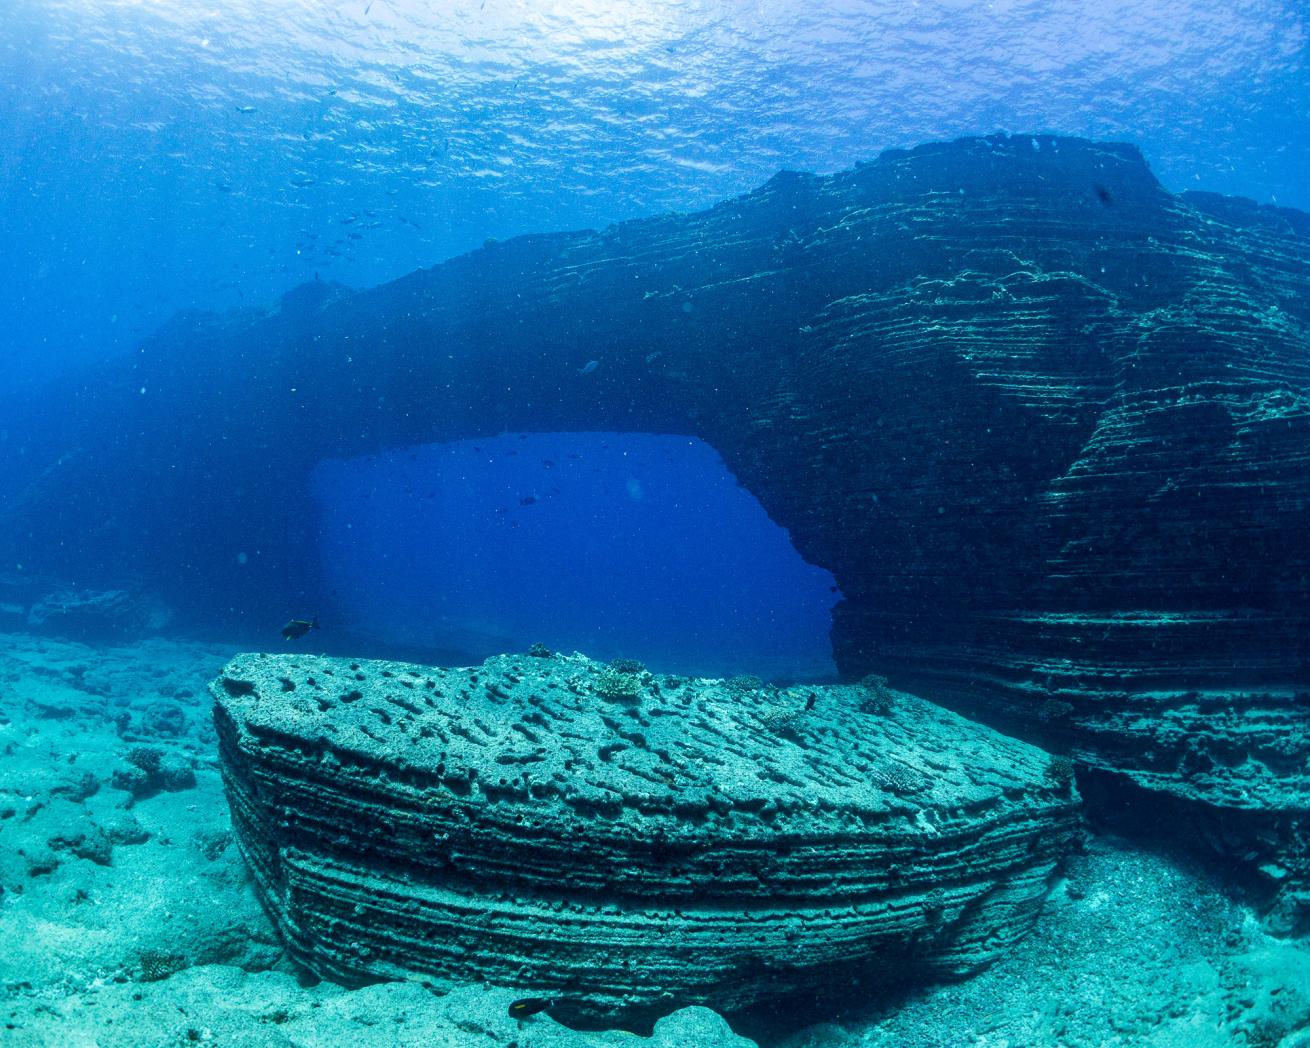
{"points": [[627, 842], [98, 615], [1047, 424]]}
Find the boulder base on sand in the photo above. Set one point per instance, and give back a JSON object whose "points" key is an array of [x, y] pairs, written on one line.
{"points": [[627, 842]]}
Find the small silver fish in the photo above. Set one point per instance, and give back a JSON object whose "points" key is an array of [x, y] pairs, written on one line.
{"points": [[589, 367]]}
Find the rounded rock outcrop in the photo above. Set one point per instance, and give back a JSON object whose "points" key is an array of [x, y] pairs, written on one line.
{"points": [[698, 843]]}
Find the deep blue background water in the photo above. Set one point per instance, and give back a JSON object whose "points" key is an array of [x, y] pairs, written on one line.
{"points": [[157, 155], [615, 544]]}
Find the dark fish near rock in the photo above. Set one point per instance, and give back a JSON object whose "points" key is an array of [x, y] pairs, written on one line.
{"points": [[297, 628], [526, 1006]]}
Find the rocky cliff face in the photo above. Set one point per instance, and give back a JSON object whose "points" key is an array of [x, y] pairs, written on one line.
{"points": [[1046, 423], [626, 842]]}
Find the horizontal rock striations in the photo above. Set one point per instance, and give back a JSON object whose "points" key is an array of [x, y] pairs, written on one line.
{"points": [[627, 842], [1047, 424]]}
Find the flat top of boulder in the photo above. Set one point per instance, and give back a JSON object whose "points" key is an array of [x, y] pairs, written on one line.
{"points": [[615, 740]]}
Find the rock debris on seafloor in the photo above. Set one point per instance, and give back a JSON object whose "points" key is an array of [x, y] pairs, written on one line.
{"points": [[522, 823]]}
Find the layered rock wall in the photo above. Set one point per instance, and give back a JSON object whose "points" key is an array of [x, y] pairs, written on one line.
{"points": [[1046, 423]]}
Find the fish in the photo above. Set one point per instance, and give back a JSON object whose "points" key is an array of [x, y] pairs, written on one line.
{"points": [[526, 1006], [1103, 195], [589, 367], [245, 109], [527, 500], [297, 628]]}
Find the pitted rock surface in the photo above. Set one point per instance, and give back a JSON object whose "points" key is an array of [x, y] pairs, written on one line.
{"points": [[633, 848]]}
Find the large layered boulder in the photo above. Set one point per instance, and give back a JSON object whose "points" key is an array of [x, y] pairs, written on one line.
{"points": [[626, 842], [1047, 424]]}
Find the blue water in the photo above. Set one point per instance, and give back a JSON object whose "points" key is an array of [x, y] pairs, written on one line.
{"points": [[615, 544], [159, 156]]}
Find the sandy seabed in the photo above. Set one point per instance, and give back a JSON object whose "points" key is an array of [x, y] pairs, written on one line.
{"points": [[127, 917]]}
